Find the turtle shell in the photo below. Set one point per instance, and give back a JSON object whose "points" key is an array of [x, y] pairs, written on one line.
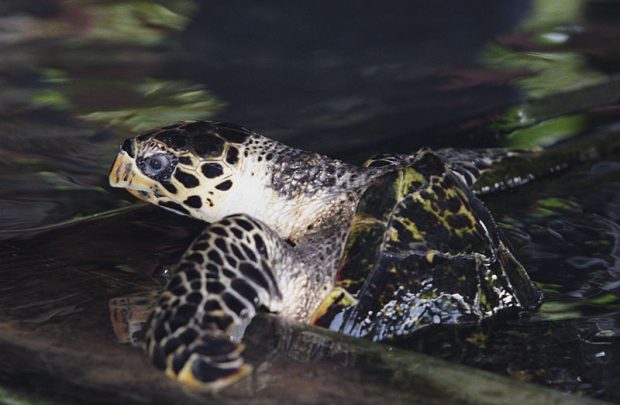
{"points": [[423, 250]]}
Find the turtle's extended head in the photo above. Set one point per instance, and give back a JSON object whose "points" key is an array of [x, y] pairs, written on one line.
{"points": [[209, 170], [191, 168]]}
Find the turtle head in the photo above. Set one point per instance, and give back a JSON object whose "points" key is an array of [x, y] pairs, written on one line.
{"points": [[208, 170], [191, 168]]}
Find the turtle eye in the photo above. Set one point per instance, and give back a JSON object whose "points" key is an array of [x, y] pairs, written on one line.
{"points": [[156, 164]]}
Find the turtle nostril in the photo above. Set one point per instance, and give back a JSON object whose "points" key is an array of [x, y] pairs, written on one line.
{"points": [[128, 147]]}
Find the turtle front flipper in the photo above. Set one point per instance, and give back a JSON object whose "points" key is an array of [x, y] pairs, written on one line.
{"points": [[224, 277]]}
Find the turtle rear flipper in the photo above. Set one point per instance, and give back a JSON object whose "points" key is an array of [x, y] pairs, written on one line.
{"points": [[222, 280]]}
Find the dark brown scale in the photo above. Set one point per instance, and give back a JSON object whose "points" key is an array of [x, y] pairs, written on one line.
{"points": [[229, 273], [193, 201], [196, 258], [185, 312], [175, 281], [238, 233], [185, 160], [233, 303], [174, 139], [226, 185], [236, 251], [212, 170], [159, 357], [232, 156], [222, 322], [215, 288], [176, 322], [218, 346], [260, 245], [212, 269], [221, 244], [219, 231], [245, 290], [188, 180], [267, 268], [194, 298], [459, 221], [192, 274], [172, 343], [208, 146], [215, 257], [179, 360], [453, 204], [188, 336], [254, 274], [196, 127], [244, 224], [128, 147], [212, 305], [430, 165], [248, 253], [179, 291], [232, 262], [170, 187], [236, 135], [439, 191], [426, 195], [174, 206], [206, 372], [159, 332]]}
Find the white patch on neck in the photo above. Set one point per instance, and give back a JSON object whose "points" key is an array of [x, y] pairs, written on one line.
{"points": [[252, 194]]}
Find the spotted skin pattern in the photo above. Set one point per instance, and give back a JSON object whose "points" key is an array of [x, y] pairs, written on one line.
{"points": [[287, 226], [225, 276]]}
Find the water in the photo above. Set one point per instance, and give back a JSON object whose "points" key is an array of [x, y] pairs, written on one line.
{"points": [[78, 77]]}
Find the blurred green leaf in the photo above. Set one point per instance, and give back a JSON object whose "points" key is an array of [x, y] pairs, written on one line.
{"points": [[547, 133]]}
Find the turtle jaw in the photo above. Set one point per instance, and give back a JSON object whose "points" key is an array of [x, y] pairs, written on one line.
{"points": [[125, 174]]}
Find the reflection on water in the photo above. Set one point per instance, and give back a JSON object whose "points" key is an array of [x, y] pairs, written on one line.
{"points": [[77, 77]]}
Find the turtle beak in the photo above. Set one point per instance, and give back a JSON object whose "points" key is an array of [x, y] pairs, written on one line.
{"points": [[125, 174], [120, 171]]}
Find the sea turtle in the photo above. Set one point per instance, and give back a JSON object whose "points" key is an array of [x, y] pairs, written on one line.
{"points": [[378, 251]]}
